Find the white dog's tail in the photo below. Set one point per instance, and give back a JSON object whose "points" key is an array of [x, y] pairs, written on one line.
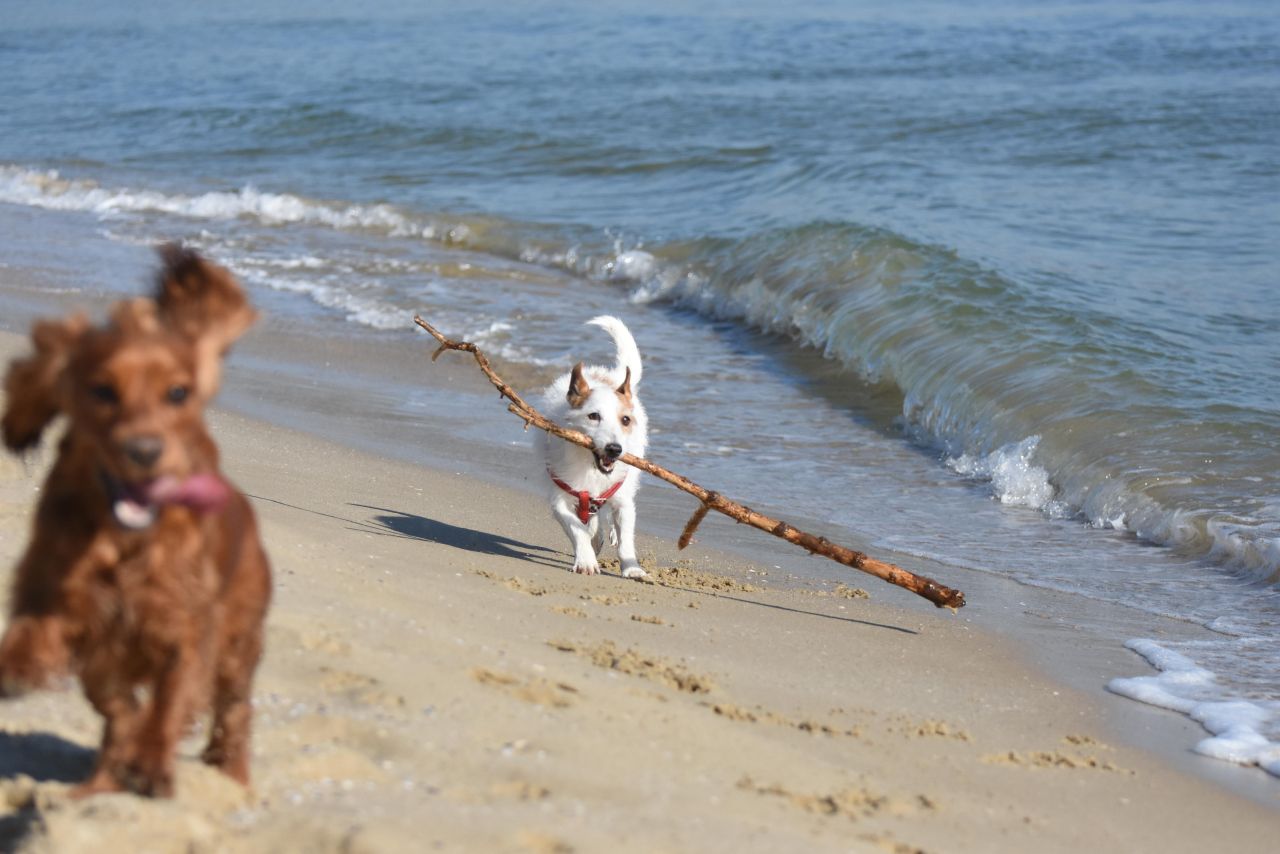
{"points": [[628, 352]]}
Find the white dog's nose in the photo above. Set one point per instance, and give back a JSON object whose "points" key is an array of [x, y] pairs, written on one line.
{"points": [[613, 450]]}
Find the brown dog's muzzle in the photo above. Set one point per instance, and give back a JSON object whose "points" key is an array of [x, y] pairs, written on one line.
{"points": [[143, 451]]}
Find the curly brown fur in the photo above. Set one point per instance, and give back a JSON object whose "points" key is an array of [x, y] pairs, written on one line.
{"points": [[145, 576]]}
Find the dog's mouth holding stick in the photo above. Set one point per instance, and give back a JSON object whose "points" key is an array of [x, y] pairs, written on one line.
{"points": [[604, 462], [940, 595]]}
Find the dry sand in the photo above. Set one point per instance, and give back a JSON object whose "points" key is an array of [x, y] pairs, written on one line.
{"points": [[437, 680]]}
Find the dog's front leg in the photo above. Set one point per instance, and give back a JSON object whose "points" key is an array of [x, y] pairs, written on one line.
{"points": [[166, 719], [584, 554], [119, 709], [624, 520], [33, 654]]}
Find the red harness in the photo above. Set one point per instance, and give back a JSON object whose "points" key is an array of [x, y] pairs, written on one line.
{"points": [[587, 506]]}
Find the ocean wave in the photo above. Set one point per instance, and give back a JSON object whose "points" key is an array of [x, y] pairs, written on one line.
{"points": [[988, 375], [1014, 478], [48, 189], [1048, 403], [363, 310]]}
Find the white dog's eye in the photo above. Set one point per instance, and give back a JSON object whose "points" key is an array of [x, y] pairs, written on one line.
{"points": [[626, 421], [593, 416]]}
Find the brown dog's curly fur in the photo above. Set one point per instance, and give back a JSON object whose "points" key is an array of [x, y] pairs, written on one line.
{"points": [[145, 576]]}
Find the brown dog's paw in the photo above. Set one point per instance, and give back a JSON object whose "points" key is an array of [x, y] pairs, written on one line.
{"points": [[151, 780]]}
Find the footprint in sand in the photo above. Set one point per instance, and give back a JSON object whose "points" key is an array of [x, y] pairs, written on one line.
{"points": [[538, 691]]}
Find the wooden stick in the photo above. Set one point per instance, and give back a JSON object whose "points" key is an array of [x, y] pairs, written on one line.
{"points": [[938, 594], [686, 536]]}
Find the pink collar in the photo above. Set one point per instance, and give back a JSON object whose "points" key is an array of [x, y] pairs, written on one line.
{"points": [[587, 506]]}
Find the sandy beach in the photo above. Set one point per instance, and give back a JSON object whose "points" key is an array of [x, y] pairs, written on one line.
{"points": [[436, 679]]}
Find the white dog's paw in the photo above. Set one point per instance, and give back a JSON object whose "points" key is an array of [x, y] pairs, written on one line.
{"points": [[633, 572], [586, 567]]}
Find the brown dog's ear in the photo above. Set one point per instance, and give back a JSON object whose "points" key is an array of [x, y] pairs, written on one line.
{"points": [[204, 303], [625, 389], [34, 387], [579, 391]]}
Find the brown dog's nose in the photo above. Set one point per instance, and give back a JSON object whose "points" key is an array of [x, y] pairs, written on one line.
{"points": [[143, 450]]}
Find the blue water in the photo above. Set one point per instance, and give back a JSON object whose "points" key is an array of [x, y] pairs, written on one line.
{"points": [[1000, 277]]}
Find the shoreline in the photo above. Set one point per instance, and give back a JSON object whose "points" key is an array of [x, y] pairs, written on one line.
{"points": [[1037, 623], [433, 668]]}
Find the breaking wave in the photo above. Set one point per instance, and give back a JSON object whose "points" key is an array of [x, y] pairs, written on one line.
{"points": [[1058, 405]]}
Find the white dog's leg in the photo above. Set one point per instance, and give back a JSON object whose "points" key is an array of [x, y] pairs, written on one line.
{"points": [[624, 519], [608, 527], [599, 526], [584, 554]]}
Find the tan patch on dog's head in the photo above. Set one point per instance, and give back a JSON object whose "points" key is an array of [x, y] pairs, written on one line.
{"points": [[624, 394], [579, 390]]}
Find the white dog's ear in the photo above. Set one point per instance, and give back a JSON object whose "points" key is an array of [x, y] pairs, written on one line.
{"points": [[579, 391], [625, 389]]}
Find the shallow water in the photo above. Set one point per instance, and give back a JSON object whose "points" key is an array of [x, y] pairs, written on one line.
{"points": [[990, 286]]}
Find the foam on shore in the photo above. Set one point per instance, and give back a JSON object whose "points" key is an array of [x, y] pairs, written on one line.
{"points": [[1243, 730]]}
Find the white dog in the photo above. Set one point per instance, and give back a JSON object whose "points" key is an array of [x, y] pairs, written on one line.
{"points": [[582, 483]]}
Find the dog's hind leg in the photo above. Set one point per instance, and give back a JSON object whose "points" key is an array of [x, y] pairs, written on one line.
{"points": [[624, 518], [608, 528], [598, 528]]}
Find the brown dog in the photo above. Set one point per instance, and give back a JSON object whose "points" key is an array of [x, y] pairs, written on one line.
{"points": [[145, 576]]}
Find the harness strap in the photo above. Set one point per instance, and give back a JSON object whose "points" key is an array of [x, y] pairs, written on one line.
{"points": [[587, 506]]}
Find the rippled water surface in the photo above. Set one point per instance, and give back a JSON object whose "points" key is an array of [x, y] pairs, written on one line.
{"points": [[993, 285]]}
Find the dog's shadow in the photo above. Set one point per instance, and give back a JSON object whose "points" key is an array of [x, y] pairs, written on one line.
{"points": [[402, 524], [397, 523], [44, 758]]}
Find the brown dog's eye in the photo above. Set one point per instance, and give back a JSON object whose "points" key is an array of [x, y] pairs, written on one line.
{"points": [[626, 421], [594, 416], [104, 393], [178, 394]]}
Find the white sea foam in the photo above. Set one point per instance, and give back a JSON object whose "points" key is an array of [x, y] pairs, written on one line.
{"points": [[634, 265], [1239, 727], [49, 190], [364, 310], [497, 339], [1014, 478]]}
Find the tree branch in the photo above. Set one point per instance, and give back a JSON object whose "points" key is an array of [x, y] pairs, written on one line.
{"points": [[938, 594]]}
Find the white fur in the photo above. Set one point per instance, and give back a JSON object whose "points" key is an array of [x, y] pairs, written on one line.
{"points": [[576, 465]]}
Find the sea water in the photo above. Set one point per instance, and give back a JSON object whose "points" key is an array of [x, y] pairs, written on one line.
{"points": [[994, 285]]}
